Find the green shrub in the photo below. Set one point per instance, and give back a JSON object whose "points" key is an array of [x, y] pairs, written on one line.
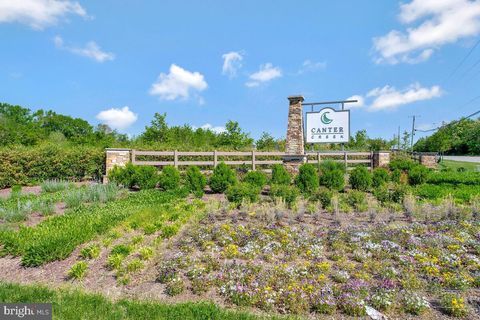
{"points": [[17, 213], [396, 175], [402, 164], [74, 199], [222, 178], [332, 175], [240, 192], [169, 178], [124, 176], [101, 192], [195, 181], [399, 192], [45, 207], [360, 178], [78, 270], [357, 199], [380, 177], [289, 194], [29, 165], [454, 178], [55, 185], [418, 175], [307, 178], [16, 190], [280, 175], [256, 178], [146, 177], [465, 193], [324, 196], [382, 194]]}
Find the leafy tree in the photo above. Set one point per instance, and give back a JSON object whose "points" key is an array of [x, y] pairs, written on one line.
{"points": [[405, 143], [157, 131], [234, 137], [266, 142], [458, 137]]}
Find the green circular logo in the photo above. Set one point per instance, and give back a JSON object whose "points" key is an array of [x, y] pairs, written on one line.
{"points": [[325, 119]]}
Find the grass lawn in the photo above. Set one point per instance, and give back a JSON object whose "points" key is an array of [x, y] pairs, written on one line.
{"points": [[454, 165], [75, 304]]}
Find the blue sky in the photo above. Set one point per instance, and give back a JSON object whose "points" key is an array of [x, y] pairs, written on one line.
{"points": [[205, 62]]}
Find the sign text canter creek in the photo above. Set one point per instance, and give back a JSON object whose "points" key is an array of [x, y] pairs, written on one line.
{"points": [[328, 126]]}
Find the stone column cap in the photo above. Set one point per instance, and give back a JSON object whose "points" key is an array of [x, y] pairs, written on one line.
{"points": [[295, 98], [117, 149]]}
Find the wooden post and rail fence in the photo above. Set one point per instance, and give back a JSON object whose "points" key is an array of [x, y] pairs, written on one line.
{"points": [[254, 160]]}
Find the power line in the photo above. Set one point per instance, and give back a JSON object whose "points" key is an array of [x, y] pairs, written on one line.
{"points": [[471, 68], [462, 62], [450, 123]]}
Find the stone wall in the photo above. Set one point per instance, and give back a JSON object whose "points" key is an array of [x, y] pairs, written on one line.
{"points": [[428, 160], [116, 157], [381, 158], [295, 140]]}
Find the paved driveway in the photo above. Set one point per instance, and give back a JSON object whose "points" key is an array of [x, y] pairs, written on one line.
{"points": [[463, 158]]}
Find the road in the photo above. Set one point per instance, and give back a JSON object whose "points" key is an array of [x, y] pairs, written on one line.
{"points": [[463, 158]]}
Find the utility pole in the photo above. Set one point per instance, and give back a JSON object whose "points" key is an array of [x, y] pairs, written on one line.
{"points": [[398, 139], [413, 131]]}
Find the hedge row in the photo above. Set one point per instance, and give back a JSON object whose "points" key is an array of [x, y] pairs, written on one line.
{"points": [[24, 165]]}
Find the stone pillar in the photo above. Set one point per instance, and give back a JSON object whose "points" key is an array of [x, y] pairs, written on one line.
{"points": [[428, 160], [115, 157], [381, 158], [295, 141]]}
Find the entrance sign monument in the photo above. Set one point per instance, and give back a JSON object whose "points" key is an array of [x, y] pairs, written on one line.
{"points": [[328, 126]]}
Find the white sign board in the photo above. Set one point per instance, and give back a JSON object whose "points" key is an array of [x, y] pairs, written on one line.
{"points": [[328, 126]]}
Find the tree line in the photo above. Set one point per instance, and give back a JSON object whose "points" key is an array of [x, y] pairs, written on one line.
{"points": [[21, 126], [457, 137]]}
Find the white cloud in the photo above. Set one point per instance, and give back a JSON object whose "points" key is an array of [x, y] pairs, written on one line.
{"points": [[38, 14], [266, 73], [388, 97], [117, 118], [311, 66], [438, 22], [91, 50], [360, 102], [208, 126], [232, 62], [178, 83]]}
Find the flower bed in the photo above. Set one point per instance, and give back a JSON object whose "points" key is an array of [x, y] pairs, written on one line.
{"points": [[300, 267]]}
